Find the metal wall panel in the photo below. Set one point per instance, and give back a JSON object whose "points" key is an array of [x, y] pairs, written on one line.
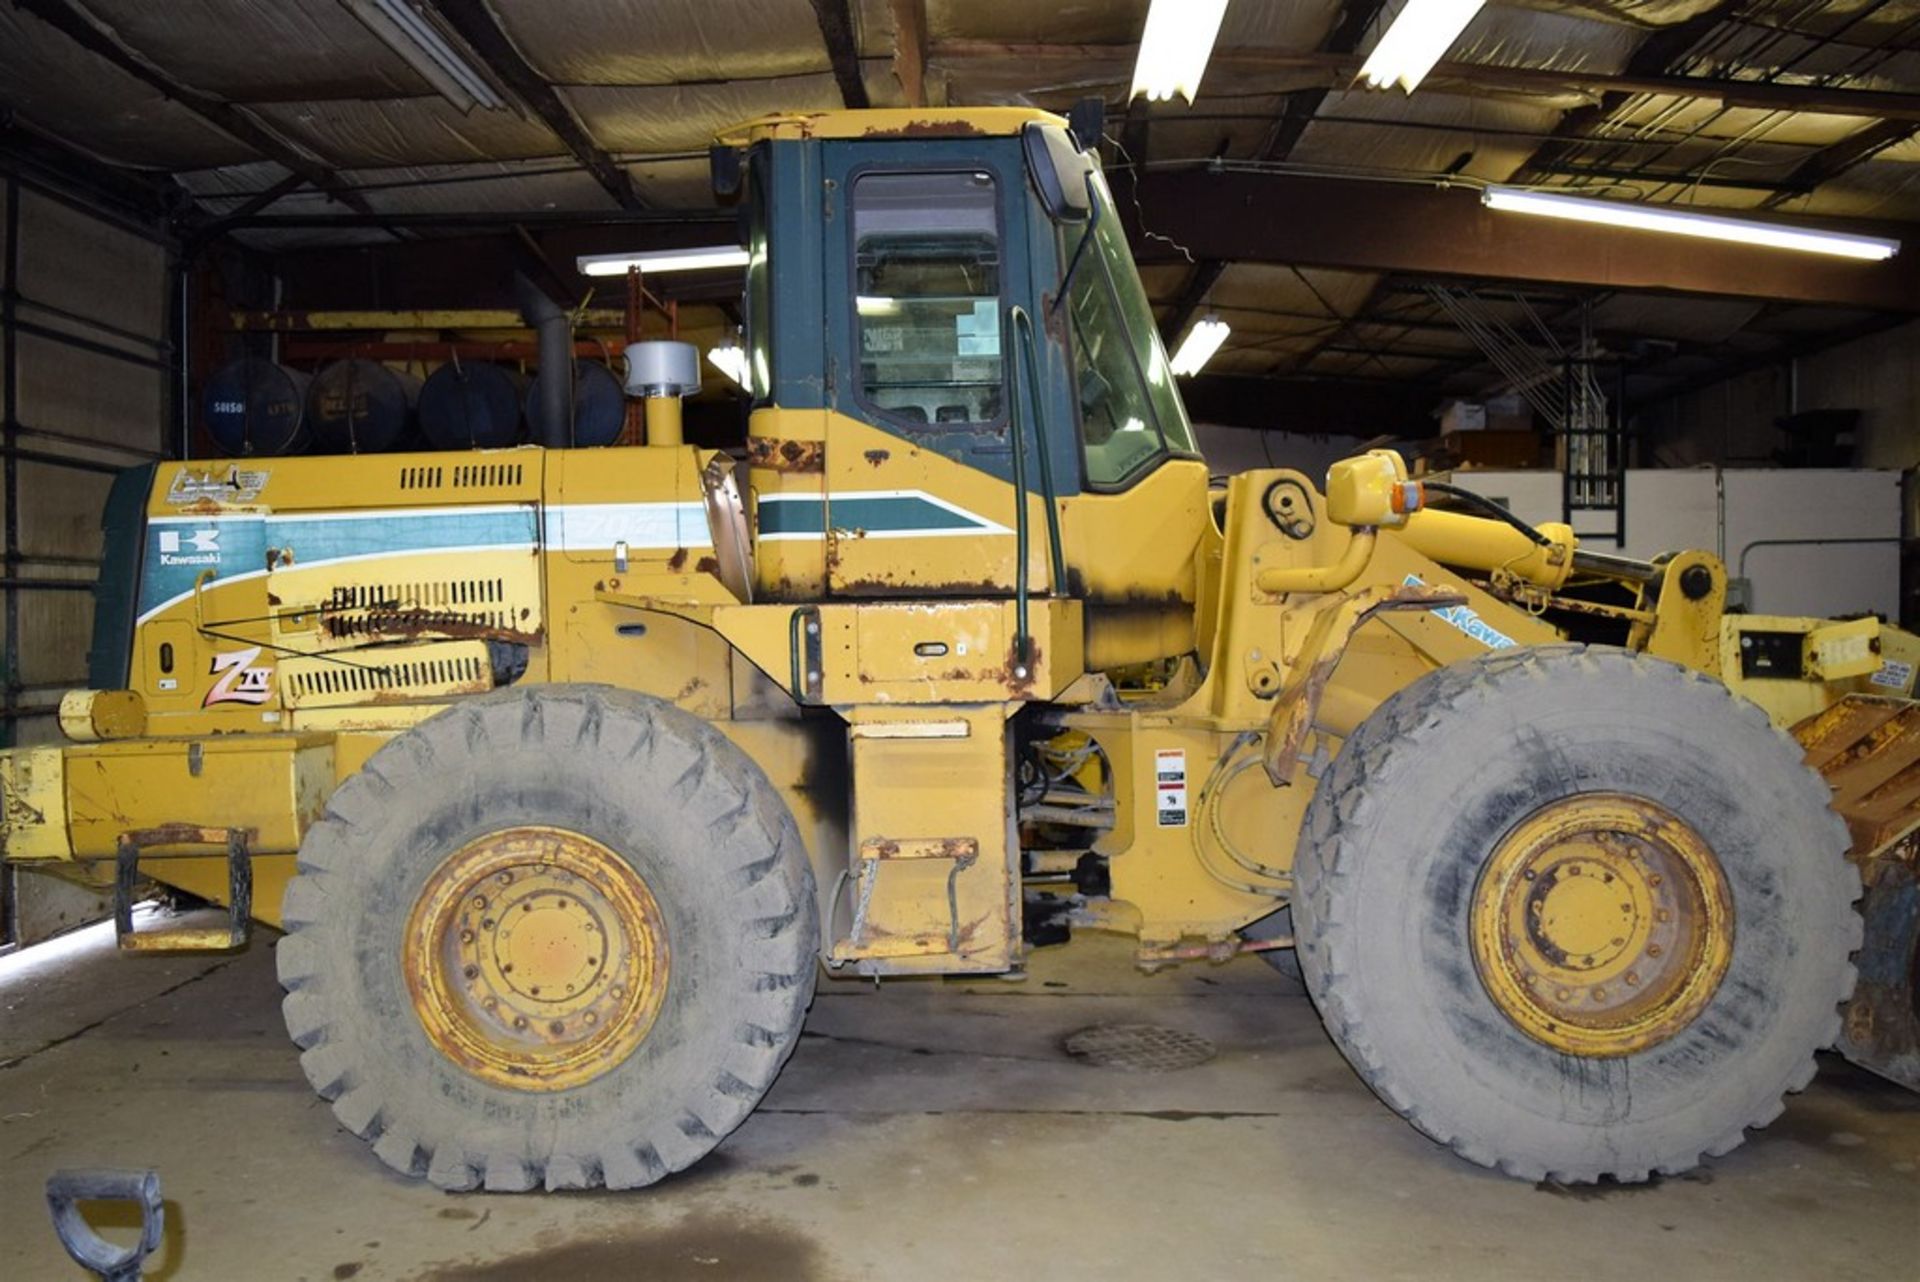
{"points": [[85, 388]]}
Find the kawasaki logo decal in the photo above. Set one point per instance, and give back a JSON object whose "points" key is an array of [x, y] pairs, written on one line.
{"points": [[1465, 618]]}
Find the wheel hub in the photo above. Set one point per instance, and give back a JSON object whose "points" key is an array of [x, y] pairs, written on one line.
{"points": [[536, 958], [1602, 925]]}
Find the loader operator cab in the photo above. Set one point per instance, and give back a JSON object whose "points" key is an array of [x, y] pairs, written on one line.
{"points": [[941, 314]]}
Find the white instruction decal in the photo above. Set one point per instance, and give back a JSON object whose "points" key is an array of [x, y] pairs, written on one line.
{"points": [[1894, 675], [1170, 783]]}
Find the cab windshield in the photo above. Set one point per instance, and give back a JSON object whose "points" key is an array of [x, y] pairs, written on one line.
{"points": [[1130, 413]]}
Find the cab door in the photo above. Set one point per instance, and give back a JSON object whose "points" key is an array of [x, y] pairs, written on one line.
{"points": [[926, 247]]}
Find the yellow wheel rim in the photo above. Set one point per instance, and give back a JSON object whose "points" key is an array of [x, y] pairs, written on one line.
{"points": [[536, 958], [1602, 925]]}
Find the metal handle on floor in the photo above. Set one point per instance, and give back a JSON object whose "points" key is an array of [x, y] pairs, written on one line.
{"points": [[67, 1189]]}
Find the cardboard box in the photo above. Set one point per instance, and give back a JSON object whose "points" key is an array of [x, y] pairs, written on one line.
{"points": [[1462, 416], [1490, 448], [1509, 413]]}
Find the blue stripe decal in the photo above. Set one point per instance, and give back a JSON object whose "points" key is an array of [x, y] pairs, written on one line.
{"points": [[793, 516], [782, 516], [322, 538], [180, 550]]}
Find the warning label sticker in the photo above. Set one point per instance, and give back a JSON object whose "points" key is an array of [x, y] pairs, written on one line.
{"points": [[1894, 675], [1170, 783]]}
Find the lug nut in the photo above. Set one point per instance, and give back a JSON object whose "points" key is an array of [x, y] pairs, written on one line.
{"points": [[520, 1021], [1654, 950], [556, 1028], [479, 901], [1633, 978], [466, 937], [471, 972]]}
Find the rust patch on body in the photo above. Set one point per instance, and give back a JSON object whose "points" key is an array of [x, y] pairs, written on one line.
{"points": [[787, 455], [930, 129], [677, 560], [877, 457], [415, 624]]}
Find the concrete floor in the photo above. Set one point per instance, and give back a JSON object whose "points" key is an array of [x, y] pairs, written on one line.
{"points": [[923, 1129]]}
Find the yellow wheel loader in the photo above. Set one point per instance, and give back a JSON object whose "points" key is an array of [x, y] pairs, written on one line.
{"points": [[565, 770]]}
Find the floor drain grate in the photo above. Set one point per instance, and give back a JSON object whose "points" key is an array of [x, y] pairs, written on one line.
{"points": [[1138, 1048]]}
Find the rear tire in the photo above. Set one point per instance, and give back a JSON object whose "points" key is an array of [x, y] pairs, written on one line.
{"points": [[1285, 961], [684, 813], [1392, 871]]}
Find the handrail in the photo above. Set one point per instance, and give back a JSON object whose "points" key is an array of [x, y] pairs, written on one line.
{"points": [[1057, 560], [1022, 650], [1322, 578]]}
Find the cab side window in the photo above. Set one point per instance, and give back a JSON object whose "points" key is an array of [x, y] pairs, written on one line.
{"points": [[1130, 414], [926, 250]]}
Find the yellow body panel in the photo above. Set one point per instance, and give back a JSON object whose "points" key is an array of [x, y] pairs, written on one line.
{"points": [[933, 881], [358, 611]]}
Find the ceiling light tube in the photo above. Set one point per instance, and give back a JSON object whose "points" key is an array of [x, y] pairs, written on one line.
{"points": [[403, 29], [709, 258], [731, 359], [1683, 222], [1174, 48], [1201, 342], [1421, 32]]}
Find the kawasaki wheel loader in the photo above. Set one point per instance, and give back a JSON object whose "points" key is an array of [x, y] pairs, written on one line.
{"points": [[565, 771]]}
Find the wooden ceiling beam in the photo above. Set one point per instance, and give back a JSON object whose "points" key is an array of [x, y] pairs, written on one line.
{"points": [[910, 49], [1339, 71]]}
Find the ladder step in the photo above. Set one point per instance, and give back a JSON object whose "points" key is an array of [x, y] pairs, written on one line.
{"points": [[192, 936]]}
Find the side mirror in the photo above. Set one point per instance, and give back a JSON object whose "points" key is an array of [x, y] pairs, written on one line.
{"points": [[1086, 122], [1060, 172], [726, 170]]}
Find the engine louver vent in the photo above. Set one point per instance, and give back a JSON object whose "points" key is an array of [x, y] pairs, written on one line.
{"points": [[486, 475], [465, 476], [369, 609], [362, 678], [428, 670]]}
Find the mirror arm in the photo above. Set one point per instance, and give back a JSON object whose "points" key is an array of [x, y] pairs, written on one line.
{"points": [[1079, 251]]}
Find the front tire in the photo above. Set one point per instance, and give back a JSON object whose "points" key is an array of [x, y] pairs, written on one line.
{"points": [[1576, 913], [637, 869]]}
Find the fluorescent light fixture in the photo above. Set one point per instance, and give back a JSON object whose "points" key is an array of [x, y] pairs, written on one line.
{"points": [[874, 305], [1175, 47], [1420, 34], [666, 260], [403, 28], [731, 359], [1683, 222], [1201, 342]]}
